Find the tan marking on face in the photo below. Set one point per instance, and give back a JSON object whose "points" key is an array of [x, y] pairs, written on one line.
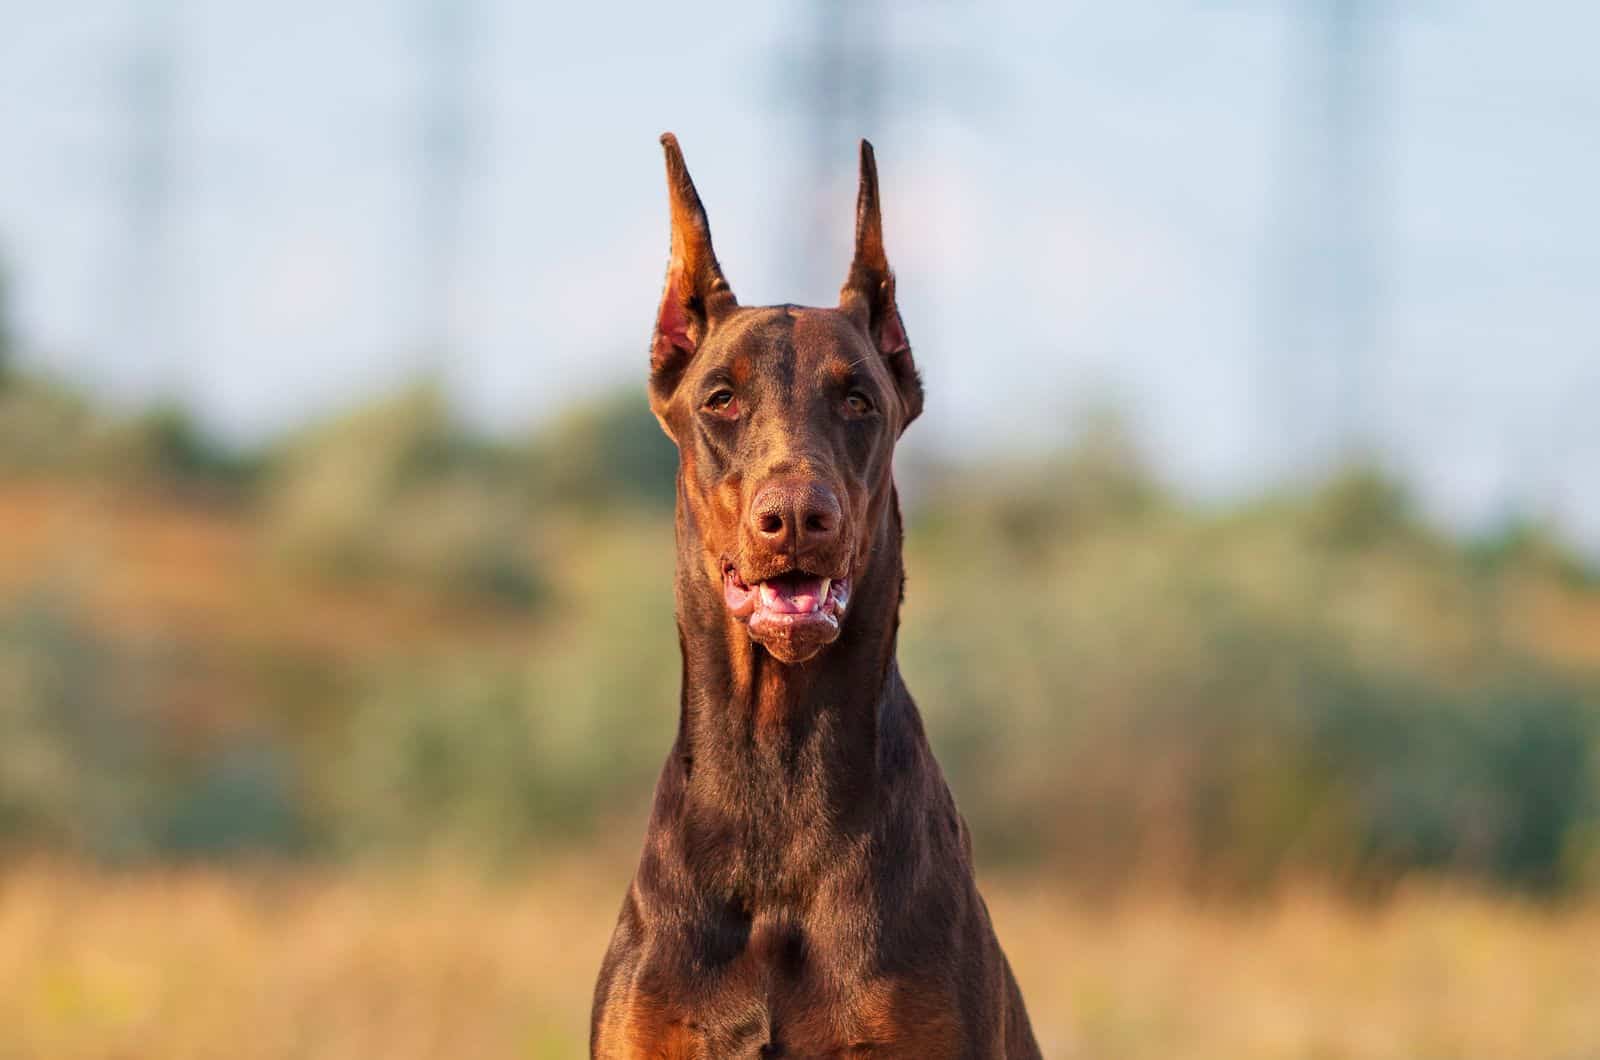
{"points": [[838, 371], [654, 1035], [906, 1019], [643, 1030]]}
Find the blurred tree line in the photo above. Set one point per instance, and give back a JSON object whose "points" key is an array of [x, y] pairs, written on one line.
{"points": [[386, 636]]}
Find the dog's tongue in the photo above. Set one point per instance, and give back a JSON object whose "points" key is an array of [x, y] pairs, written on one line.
{"points": [[792, 594]]}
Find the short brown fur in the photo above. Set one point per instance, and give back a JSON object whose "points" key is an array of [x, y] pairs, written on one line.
{"points": [[806, 887]]}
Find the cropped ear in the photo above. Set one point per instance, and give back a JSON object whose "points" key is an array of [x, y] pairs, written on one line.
{"points": [[696, 293], [868, 293]]}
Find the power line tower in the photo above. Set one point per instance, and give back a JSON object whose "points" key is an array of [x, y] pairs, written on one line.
{"points": [[149, 194], [851, 75], [842, 90], [1321, 296], [446, 48]]}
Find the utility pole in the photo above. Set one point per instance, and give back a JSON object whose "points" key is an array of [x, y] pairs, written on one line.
{"points": [[149, 195], [1321, 296], [843, 94], [446, 32]]}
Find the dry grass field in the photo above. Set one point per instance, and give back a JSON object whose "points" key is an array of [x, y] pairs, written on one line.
{"points": [[187, 965]]}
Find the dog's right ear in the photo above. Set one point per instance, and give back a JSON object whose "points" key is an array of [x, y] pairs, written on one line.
{"points": [[696, 293]]}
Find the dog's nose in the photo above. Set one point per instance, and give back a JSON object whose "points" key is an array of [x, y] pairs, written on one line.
{"points": [[794, 515]]}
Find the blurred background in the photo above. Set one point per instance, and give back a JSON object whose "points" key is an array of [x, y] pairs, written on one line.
{"points": [[1253, 531]]}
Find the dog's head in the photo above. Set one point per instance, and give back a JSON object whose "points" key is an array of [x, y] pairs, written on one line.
{"points": [[785, 418]]}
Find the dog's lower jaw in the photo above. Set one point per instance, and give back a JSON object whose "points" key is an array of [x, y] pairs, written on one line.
{"points": [[791, 646], [792, 617]]}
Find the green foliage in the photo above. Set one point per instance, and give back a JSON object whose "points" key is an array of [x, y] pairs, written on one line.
{"points": [[474, 752], [48, 428], [72, 768], [240, 800], [605, 454], [92, 761], [397, 491], [454, 752], [1323, 686], [1494, 783], [1521, 544], [1116, 682], [173, 446]]}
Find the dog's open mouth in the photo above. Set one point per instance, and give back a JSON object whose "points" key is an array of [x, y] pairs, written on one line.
{"points": [[792, 606]]}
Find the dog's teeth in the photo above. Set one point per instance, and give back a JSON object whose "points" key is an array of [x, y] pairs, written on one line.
{"points": [[822, 597]]}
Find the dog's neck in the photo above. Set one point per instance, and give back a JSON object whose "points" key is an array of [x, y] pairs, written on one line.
{"points": [[745, 715]]}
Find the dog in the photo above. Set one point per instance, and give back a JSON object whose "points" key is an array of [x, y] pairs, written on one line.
{"points": [[806, 887]]}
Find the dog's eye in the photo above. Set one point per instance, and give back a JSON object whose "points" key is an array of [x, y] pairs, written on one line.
{"points": [[722, 403], [858, 403]]}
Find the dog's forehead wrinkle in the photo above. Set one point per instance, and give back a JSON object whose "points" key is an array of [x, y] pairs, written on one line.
{"points": [[770, 346]]}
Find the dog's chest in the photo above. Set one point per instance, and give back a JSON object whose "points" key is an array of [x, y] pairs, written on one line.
{"points": [[796, 988]]}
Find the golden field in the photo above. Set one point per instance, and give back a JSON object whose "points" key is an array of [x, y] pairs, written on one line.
{"points": [[181, 964]]}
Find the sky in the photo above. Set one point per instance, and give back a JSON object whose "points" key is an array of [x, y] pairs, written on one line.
{"points": [[1087, 204]]}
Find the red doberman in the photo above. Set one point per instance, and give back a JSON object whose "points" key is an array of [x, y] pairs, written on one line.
{"points": [[806, 888]]}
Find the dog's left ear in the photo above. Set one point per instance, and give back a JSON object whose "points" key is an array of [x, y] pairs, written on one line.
{"points": [[868, 293], [696, 292]]}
